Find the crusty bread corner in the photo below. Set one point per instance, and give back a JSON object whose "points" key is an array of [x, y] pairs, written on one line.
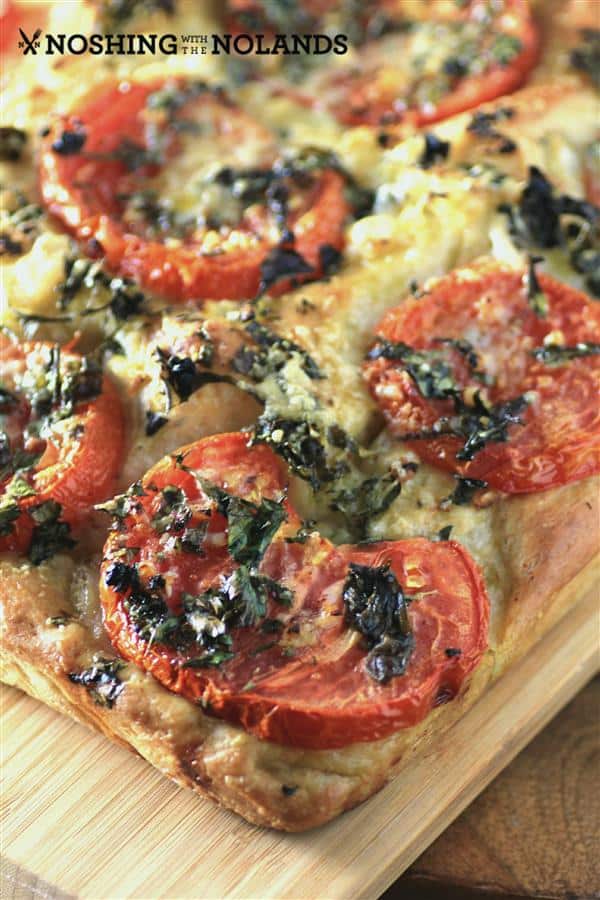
{"points": [[551, 563]]}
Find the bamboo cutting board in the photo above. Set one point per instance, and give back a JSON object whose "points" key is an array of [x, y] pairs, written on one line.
{"points": [[96, 821]]}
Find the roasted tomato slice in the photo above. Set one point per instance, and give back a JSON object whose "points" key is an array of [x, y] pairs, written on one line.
{"points": [[181, 190], [209, 582], [450, 58], [494, 375], [61, 442]]}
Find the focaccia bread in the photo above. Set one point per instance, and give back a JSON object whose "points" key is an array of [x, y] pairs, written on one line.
{"points": [[299, 382]]}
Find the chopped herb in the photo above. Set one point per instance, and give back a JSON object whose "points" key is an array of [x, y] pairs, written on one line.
{"points": [[434, 150], [444, 533], [282, 263], [302, 535], [505, 48], [477, 422], [18, 487], [558, 355], [69, 143], [12, 143], [586, 57], [366, 500], [274, 353], [376, 607], [50, 535], [535, 295], [542, 219], [101, 680], [9, 513], [299, 443], [483, 125], [154, 422], [452, 651], [463, 493], [251, 527], [330, 259], [288, 790], [428, 368], [122, 505]]}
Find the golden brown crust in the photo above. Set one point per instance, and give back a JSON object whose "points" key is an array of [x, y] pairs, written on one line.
{"points": [[546, 541]]}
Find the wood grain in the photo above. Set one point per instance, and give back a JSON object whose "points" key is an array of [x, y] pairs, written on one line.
{"points": [[535, 831], [95, 821]]}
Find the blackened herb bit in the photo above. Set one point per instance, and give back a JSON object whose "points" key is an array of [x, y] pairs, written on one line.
{"points": [[50, 535], [586, 57], [330, 258], [12, 143], [535, 295], [101, 680], [9, 513], [452, 651], [558, 354], [376, 607], [288, 790], [482, 124], [154, 422], [444, 533], [463, 493], [368, 499], [185, 375], [69, 143], [282, 263], [435, 150]]}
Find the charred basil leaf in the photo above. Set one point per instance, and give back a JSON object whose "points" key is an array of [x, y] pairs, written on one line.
{"points": [[435, 150], [542, 219], [185, 375], [50, 535], [376, 607], [281, 263], [463, 493], [483, 125], [477, 422], [69, 143], [429, 368], [300, 444], [273, 354], [558, 355], [101, 680], [365, 500], [154, 422], [9, 513]]}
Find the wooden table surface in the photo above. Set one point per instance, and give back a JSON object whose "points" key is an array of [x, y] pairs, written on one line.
{"points": [[535, 832]]}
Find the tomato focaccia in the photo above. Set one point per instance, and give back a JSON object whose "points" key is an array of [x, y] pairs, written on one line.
{"points": [[300, 366]]}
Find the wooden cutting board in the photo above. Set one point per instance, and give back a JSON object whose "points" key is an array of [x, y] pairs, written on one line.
{"points": [[95, 821]]}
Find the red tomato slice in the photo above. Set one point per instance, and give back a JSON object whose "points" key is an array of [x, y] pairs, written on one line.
{"points": [[559, 438], [373, 91], [296, 676], [87, 190], [77, 455]]}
